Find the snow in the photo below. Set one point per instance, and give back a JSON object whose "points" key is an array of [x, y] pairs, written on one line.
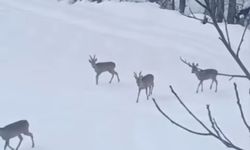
{"points": [[46, 77]]}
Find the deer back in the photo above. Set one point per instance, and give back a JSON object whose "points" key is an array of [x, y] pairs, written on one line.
{"points": [[206, 74], [147, 80], [104, 66], [14, 129]]}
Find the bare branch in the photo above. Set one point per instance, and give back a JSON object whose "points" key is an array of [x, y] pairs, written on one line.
{"points": [[240, 108], [212, 122], [189, 111], [194, 17], [215, 126], [203, 5], [233, 75], [242, 39], [175, 123], [222, 133], [223, 39], [217, 129], [227, 33]]}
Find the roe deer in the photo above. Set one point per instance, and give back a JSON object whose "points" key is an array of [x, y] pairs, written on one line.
{"points": [[103, 67], [16, 129], [203, 74], [144, 82]]}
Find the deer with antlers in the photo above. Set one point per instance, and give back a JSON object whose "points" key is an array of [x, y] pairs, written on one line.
{"points": [[203, 74], [144, 82], [103, 67]]}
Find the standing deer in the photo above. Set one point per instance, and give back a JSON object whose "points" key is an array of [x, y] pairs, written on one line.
{"points": [[103, 67], [144, 82], [203, 74], [13, 130]]}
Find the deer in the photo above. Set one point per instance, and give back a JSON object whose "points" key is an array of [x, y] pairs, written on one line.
{"points": [[144, 82], [103, 67], [203, 74], [16, 129]]}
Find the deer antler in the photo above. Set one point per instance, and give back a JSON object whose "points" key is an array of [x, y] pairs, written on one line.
{"points": [[90, 57], [185, 62], [135, 75], [93, 58], [140, 74]]}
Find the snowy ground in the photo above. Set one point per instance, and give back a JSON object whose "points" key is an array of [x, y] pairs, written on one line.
{"points": [[46, 78]]}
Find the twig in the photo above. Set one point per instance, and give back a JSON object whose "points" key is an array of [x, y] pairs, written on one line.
{"points": [[189, 111], [212, 122], [221, 131], [175, 123], [227, 33], [240, 108], [216, 135], [242, 39], [217, 129], [194, 17], [232, 75]]}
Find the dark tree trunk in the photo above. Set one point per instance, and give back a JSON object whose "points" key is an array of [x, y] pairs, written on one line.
{"points": [[173, 4], [182, 6], [213, 6], [231, 11], [220, 10], [166, 4]]}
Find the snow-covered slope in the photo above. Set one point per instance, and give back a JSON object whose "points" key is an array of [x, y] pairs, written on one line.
{"points": [[46, 78]]}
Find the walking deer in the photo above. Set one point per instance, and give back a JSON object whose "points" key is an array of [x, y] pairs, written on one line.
{"points": [[203, 74], [144, 82], [103, 67], [15, 130]]}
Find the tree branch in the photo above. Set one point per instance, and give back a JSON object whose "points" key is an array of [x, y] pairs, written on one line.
{"points": [[221, 131], [217, 129], [227, 33], [223, 39], [194, 17], [189, 111], [175, 123], [215, 126], [242, 39], [240, 108]]}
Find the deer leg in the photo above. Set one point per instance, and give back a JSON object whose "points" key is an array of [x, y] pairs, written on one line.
{"points": [[111, 77], [7, 143], [31, 136], [149, 90], [147, 93], [139, 91], [21, 139], [211, 85], [201, 86], [216, 83], [197, 90], [118, 79], [152, 87], [96, 78]]}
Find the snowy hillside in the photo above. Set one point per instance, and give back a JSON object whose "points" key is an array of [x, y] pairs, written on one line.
{"points": [[46, 78]]}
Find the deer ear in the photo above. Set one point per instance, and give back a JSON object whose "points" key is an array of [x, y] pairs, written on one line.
{"points": [[197, 65], [90, 61]]}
